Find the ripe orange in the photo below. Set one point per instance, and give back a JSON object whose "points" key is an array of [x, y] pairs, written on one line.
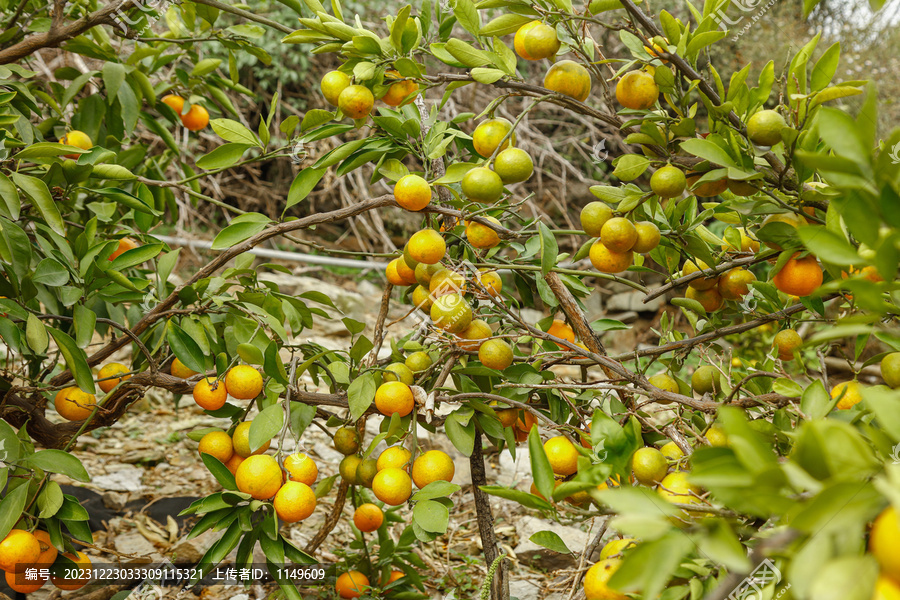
{"points": [[346, 440], [48, 551], [569, 79], [513, 165], [563, 331], [400, 92], [368, 517], [260, 476], [18, 582], [491, 281], [174, 102], [799, 276], [524, 424], [886, 589], [486, 137], [392, 486], [519, 40], [668, 182], [74, 405], [394, 576], [196, 118], [849, 392], [495, 354], [394, 397], [482, 185], [125, 244], [178, 369], [241, 440], [421, 299], [786, 342], [19, 550], [431, 466], [332, 84], [540, 41], [607, 261], [710, 299], [594, 216], [883, 542], [735, 283], [412, 192], [356, 101], [637, 90], [473, 336], [394, 457], [597, 578], [445, 282], [707, 189], [210, 393], [393, 274], [482, 236], [82, 564], [664, 381], [562, 455], [78, 139], [234, 462], [426, 246], [351, 584], [451, 313], [294, 501], [108, 371], [243, 382], [618, 235], [647, 237], [700, 283], [649, 466], [217, 444], [301, 467]]}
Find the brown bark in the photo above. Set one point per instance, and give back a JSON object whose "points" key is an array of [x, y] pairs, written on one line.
{"points": [[485, 519]]}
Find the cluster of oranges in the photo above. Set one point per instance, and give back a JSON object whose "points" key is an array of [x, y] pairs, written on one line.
{"points": [[618, 239], [241, 382], [21, 550], [356, 101], [196, 117]]}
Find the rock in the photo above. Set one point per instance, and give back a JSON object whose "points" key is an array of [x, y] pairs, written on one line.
{"points": [[191, 551], [114, 501], [633, 301], [515, 472], [530, 553], [524, 589], [134, 544], [127, 479]]}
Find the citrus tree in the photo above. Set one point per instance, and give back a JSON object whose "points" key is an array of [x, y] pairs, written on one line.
{"points": [[762, 211]]}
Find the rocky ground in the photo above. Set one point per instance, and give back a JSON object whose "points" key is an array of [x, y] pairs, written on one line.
{"points": [[145, 470]]}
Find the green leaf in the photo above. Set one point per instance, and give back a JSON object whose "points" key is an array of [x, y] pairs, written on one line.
{"points": [[549, 249], [398, 27], [787, 387], [219, 471], [361, 394], [136, 256], [828, 245], [551, 541], [185, 348], [455, 173], [50, 500], [205, 67], [486, 76], [650, 565], [540, 465], [233, 131], [11, 507], [885, 404], [467, 54], [461, 431], [57, 461], [10, 195], [631, 166], [37, 190], [36, 334], [304, 183], [223, 156], [113, 77], [108, 171], [435, 489], [709, 151], [468, 16], [76, 360], [316, 117], [825, 68], [250, 354], [266, 425], [236, 233], [524, 498], [504, 25], [48, 150], [431, 516]]}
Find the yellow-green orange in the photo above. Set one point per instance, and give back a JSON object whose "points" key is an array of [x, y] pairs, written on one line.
{"points": [[594, 216], [482, 185], [569, 79], [513, 165]]}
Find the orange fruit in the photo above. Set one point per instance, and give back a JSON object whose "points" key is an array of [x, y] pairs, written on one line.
{"points": [[700, 283], [294, 501], [346, 440], [366, 471], [710, 299], [764, 128], [786, 342], [196, 118], [74, 405], [348, 468], [507, 416], [668, 182], [886, 589], [48, 550], [178, 369], [616, 547], [260, 476], [597, 578], [748, 244], [491, 281], [445, 282], [394, 397], [351, 584], [647, 237], [78, 139], [741, 188], [594, 216], [421, 298], [431, 466], [218, 445], [513, 165], [241, 440], [563, 331], [19, 583], [82, 564], [451, 313], [486, 137], [473, 336], [392, 272], [175, 102], [392, 486], [125, 244], [637, 90], [607, 261], [301, 467], [424, 273], [735, 283], [540, 42], [210, 393], [890, 369], [524, 424], [705, 380], [482, 185], [18, 550], [618, 235], [110, 371], [394, 457], [394, 576], [482, 236], [356, 101], [243, 382], [400, 92], [569, 78], [849, 392], [368, 517], [495, 354], [883, 543], [234, 462], [519, 41], [706, 189], [665, 382], [799, 276], [649, 466], [412, 192], [562, 455], [425, 246], [332, 84]]}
